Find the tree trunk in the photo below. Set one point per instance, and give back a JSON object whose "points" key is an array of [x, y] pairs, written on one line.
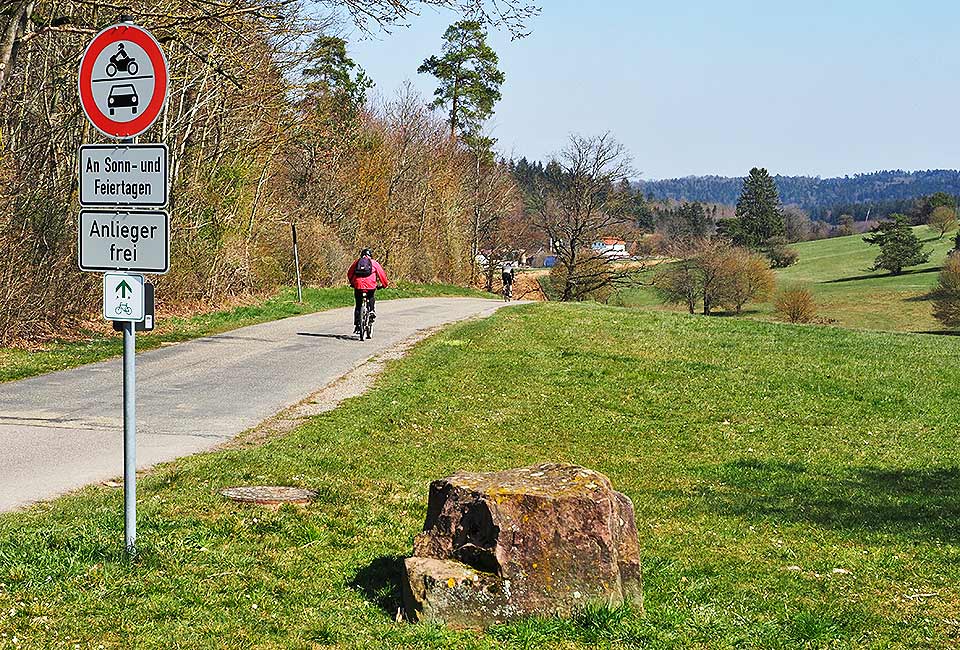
{"points": [[453, 110], [475, 243], [16, 28], [568, 282], [567, 289]]}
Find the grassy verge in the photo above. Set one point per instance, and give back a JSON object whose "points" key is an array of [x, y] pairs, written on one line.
{"points": [[846, 292], [795, 487], [60, 355]]}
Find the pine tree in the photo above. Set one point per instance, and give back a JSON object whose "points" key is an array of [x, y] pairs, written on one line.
{"points": [[334, 92], [689, 222], [469, 78], [759, 215], [899, 247], [328, 68]]}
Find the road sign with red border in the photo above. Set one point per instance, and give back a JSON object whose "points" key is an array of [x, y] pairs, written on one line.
{"points": [[123, 80]]}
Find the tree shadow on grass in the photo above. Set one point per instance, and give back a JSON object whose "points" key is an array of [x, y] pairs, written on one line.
{"points": [[380, 583], [733, 314], [922, 503], [885, 274]]}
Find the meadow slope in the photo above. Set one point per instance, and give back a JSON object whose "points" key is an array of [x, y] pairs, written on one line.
{"points": [[837, 270], [847, 293]]}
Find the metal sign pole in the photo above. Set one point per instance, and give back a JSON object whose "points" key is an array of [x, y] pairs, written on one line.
{"points": [[296, 262], [129, 423], [130, 437]]}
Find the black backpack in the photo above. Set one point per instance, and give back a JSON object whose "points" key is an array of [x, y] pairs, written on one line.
{"points": [[364, 267]]}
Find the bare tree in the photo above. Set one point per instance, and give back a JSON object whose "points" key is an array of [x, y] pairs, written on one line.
{"points": [[514, 15], [580, 202]]}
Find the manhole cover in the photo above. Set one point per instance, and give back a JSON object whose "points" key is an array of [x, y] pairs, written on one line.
{"points": [[269, 494]]}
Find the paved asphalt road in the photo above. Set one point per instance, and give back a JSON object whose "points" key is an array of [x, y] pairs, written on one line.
{"points": [[63, 430]]}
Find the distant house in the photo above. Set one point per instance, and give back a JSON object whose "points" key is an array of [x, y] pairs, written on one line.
{"points": [[611, 247], [534, 258]]}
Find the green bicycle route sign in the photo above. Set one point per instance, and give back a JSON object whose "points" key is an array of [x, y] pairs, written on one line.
{"points": [[123, 297]]}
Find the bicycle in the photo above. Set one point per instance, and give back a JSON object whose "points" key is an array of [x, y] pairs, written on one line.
{"points": [[508, 292], [366, 323]]}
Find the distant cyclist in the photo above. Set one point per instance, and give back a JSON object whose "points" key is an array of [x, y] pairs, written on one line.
{"points": [[364, 276], [506, 275]]}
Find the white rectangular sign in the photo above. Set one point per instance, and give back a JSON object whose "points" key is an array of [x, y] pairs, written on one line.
{"points": [[123, 174], [123, 297], [113, 240]]}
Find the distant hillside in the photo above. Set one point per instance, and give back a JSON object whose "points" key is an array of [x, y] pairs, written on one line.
{"points": [[813, 193]]}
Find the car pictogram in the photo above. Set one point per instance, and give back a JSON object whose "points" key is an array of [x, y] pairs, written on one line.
{"points": [[123, 96]]}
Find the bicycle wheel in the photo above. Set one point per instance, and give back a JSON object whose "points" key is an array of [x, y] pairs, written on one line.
{"points": [[368, 323], [364, 316]]}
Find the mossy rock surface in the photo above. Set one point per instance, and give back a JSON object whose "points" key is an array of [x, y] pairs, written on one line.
{"points": [[543, 539]]}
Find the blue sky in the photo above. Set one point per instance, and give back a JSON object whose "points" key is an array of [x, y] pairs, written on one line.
{"points": [[815, 87]]}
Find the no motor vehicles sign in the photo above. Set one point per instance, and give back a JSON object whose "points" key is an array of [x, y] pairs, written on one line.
{"points": [[123, 80]]}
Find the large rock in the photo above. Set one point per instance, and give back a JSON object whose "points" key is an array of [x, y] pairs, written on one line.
{"points": [[536, 540]]}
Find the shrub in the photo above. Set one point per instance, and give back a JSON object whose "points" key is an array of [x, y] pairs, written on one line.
{"points": [[651, 244], [591, 280], [795, 304], [946, 297], [746, 277], [679, 283], [780, 255]]}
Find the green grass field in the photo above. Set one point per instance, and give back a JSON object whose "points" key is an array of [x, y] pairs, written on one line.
{"points": [[846, 292], [17, 363], [796, 487], [835, 269]]}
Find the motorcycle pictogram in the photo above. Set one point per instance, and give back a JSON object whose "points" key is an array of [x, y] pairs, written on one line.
{"points": [[122, 62]]}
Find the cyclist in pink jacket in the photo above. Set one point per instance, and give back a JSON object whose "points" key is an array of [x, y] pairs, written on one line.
{"points": [[365, 275]]}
